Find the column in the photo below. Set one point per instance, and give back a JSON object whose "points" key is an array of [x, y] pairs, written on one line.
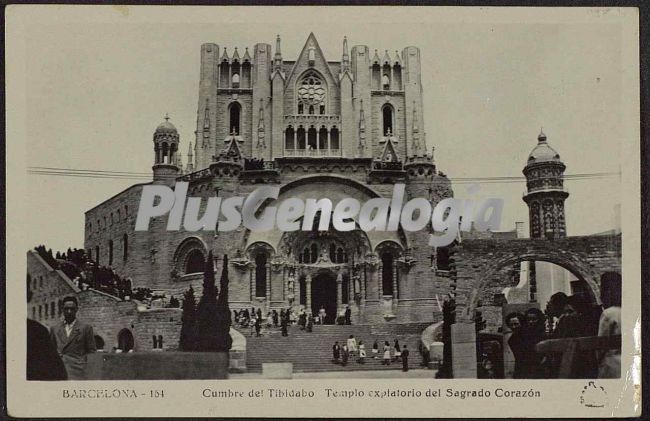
{"points": [[329, 140], [268, 285], [339, 291], [395, 272], [380, 286], [252, 282], [297, 287], [532, 282], [295, 140], [308, 292], [362, 283], [284, 284], [350, 288]]}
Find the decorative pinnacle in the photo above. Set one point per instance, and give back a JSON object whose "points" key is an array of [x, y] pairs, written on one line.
{"points": [[166, 116], [277, 45], [542, 136]]}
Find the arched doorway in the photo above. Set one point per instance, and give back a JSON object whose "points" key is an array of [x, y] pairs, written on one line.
{"points": [[99, 343], [125, 340], [323, 294]]}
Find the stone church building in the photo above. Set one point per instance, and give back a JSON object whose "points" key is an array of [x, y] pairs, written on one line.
{"points": [[316, 128]]}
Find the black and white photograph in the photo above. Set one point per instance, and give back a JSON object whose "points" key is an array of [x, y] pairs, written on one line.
{"points": [[335, 197]]}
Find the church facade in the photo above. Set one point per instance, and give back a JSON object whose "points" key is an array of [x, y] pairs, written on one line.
{"points": [[317, 129]]}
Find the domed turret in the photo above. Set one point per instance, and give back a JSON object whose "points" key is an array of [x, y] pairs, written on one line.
{"points": [[166, 127], [543, 151], [166, 140], [544, 173]]}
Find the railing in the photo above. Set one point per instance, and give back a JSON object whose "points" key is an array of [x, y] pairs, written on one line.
{"points": [[391, 166], [196, 175], [313, 152], [312, 119], [258, 165]]}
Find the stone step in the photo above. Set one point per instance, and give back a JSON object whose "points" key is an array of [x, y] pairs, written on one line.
{"points": [[312, 352]]}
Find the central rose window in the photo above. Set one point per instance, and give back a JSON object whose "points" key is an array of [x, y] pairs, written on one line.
{"points": [[311, 95]]}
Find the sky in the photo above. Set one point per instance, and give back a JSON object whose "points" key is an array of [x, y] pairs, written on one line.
{"points": [[97, 84]]}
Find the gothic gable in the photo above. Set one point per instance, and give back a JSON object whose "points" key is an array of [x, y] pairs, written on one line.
{"points": [[389, 154], [311, 57]]}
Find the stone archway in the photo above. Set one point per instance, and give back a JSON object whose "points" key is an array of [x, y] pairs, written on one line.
{"points": [[477, 262], [125, 340]]}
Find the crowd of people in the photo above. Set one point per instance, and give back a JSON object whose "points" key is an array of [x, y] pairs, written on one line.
{"points": [[567, 317], [351, 349], [305, 320]]}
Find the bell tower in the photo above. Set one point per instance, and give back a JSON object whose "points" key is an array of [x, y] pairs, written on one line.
{"points": [[545, 195]]}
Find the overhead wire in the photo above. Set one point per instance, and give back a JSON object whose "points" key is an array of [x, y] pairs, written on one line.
{"points": [[130, 175]]}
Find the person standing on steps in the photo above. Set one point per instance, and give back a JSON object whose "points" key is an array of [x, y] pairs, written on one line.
{"points": [[405, 359], [352, 344], [321, 315], [345, 354], [348, 314], [275, 318], [375, 350], [284, 320], [398, 352], [362, 353], [258, 325], [302, 319], [386, 360], [336, 352]]}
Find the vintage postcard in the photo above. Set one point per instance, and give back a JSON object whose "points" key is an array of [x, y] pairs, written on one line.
{"points": [[322, 212]]}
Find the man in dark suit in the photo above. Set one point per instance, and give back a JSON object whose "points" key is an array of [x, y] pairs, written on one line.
{"points": [[405, 359], [348, 314], [74, 340]]}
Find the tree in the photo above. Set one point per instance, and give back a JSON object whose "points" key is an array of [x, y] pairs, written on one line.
{"points": [[212, 316], [188, 332], [206, 312], [224, 318]]}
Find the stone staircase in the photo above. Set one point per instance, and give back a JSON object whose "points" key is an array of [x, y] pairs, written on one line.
{"points": [[312, 352]]}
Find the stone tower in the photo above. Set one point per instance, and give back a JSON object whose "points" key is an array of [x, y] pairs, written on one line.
{"points": [[545, 197], [166, 162]]}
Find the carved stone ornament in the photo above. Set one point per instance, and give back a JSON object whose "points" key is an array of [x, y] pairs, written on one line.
{"points": [[372, 260], [241, 263], [277, 263]]}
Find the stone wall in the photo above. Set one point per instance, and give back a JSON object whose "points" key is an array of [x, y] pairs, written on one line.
{"points": [[49, 287]]}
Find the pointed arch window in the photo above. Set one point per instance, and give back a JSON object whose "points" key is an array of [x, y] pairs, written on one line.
{"points": [[260, 274], [234, 111], [387, 115], [195, 262], [387, 273], [235, 80], [334, 138], [301, 137], [289, 138]]}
